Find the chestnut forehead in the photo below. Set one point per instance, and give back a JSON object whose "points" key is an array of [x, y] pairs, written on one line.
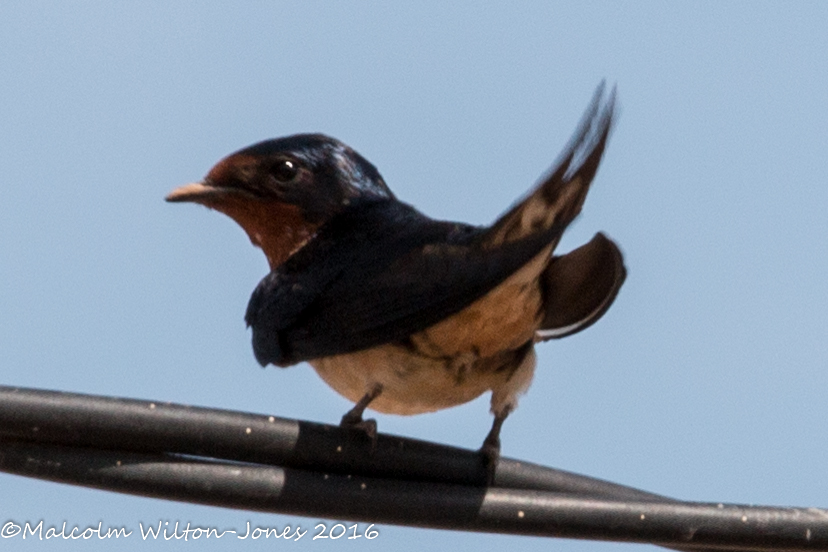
{"points": [[238, 165]]}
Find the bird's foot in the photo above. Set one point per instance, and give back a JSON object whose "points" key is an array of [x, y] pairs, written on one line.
{"points": [[368, 427], [490, 451], [353, 418], [360, 426]]}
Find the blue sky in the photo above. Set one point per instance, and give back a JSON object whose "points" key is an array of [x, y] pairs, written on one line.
{"points": [[705, 381]]}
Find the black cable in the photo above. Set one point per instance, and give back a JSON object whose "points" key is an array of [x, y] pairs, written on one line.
{"points": [[125, 445], [143, 426]]}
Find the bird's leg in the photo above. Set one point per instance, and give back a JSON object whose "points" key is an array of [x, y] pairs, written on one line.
{"points": [[353, 418], [491, 445]]}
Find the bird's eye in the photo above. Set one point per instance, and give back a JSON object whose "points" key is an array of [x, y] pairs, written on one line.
{"points": [[284, 171]]}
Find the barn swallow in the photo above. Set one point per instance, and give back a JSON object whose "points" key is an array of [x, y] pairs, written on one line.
{"points": [[398, 311]]}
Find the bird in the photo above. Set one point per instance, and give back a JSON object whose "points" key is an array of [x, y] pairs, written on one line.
{"points": [[399, 312]]}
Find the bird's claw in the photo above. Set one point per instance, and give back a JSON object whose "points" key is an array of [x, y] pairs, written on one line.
{"points": [[490, 452], [365, 427]]}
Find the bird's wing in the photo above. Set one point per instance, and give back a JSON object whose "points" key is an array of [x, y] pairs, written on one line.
{"points": [[558, 197], [382, 274]]}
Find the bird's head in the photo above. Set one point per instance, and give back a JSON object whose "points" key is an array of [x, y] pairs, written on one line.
{"points": [[281, 191]]}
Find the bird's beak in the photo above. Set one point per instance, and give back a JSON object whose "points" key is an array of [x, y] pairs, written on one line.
{"points": [[196, 192]]}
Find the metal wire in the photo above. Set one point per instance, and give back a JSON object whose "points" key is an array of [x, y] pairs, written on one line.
{"points": [[263, 463]]}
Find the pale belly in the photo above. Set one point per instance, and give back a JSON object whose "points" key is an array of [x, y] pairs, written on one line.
{"points": [[412, 384], [484, 347]]}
